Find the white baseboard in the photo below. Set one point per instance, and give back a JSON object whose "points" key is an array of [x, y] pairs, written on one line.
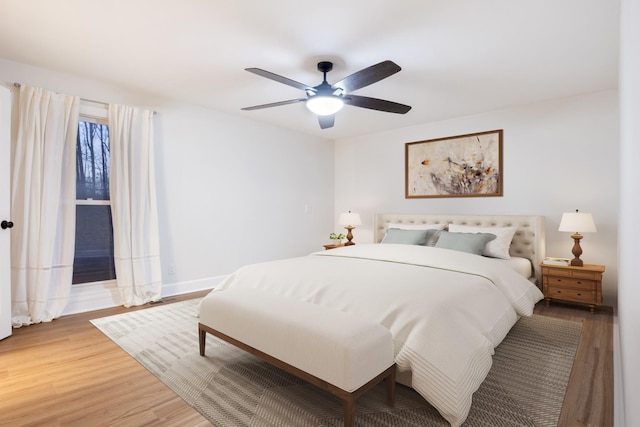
{"points": [[171, 289], [99, 295]]}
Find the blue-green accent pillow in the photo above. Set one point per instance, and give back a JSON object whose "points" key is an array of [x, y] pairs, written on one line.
{"points": [[407, 237], [472, 243]]}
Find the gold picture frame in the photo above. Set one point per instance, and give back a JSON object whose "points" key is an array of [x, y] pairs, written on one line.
{"points": [[455, 166]]}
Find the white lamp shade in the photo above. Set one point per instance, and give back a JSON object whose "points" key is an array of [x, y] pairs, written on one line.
{"points": [[577, 222], [324, 105], [349, 218]]}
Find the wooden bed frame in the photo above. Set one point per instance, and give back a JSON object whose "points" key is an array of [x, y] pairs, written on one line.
{"points": [[348, 398], [528, 242]]}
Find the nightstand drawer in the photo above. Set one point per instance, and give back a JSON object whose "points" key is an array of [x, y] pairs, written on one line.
{"points": [[571, 294], [570, 282], [579, 274]]}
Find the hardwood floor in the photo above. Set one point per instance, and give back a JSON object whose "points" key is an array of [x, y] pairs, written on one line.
{"points": [[67, 373], [589, 398]]}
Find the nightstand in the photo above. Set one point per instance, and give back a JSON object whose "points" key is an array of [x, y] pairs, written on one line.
{"points": [[327, 247], [573, 284]]}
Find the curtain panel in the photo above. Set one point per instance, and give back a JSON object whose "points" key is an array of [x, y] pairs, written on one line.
{"points": [[134, 206], [43, 205]]}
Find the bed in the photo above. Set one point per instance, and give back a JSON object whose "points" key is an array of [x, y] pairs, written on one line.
{"points": [[447, 309]]}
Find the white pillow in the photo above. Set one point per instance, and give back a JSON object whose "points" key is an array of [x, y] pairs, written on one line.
{"points": [[403, 226], [498, 247]]}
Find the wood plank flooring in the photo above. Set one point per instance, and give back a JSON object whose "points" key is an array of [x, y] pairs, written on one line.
{"points": [[588, 401], [67, 373]]}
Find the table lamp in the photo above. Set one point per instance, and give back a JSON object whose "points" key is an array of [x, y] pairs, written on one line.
{"points": [[577, 222], [349, 219]]}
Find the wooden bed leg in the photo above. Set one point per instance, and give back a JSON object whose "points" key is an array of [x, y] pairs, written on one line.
{"points": [[202, 338], [349, 411], [391, 387]]}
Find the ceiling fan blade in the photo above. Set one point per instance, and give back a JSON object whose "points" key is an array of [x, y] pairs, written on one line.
{"points": [[278, 78], [326, 121], [274, 104], [368, 76], [376, 104]]}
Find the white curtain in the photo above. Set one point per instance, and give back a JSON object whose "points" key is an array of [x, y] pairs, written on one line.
{"points": [[133, 205], [43, 207]]}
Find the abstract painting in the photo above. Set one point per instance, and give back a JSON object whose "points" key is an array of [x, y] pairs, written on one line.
{"points": [[456, 166]]}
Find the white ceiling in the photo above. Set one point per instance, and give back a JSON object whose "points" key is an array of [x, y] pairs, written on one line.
{"points": [[458, 57]]}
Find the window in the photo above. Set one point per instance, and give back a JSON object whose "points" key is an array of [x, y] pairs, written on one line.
{"points": [[93, 260]]}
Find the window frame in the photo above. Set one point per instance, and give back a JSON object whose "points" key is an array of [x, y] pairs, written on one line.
{"points": [[93, 112]]}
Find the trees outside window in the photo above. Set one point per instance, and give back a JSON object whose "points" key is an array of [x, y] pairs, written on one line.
{"points": [[93, 261]]}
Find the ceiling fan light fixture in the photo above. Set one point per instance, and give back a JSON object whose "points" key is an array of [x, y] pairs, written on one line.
{"points": [[325, 105], [326, 99]]}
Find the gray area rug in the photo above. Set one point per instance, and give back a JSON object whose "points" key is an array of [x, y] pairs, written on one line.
{"points": [[230, 387]]}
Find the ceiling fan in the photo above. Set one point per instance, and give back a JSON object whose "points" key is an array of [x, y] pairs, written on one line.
{"points": [[326, 99]]}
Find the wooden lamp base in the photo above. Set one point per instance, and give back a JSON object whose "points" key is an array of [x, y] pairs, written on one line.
{"points": [[349, 235], [577, 250]]}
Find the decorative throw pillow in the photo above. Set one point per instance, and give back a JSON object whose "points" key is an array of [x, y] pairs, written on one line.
{"points": [[498, 248], [473, 243], [407, 237]]}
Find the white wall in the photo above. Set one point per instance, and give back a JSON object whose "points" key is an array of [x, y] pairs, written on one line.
{"points": [[230, 190], [558, 156], [627, 378], [236, 191]]}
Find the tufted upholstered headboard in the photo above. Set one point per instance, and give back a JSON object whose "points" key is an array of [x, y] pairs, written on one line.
{"points": [[528, 242]]}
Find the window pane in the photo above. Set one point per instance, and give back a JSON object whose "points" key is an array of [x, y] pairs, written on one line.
{"points": [[93, 260], [92, 161]]}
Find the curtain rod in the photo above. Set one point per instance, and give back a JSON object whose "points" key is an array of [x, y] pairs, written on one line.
{"points": [[15, 84]]}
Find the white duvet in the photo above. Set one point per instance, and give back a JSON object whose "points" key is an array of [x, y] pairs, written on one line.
{"points": [[446, 310]]}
